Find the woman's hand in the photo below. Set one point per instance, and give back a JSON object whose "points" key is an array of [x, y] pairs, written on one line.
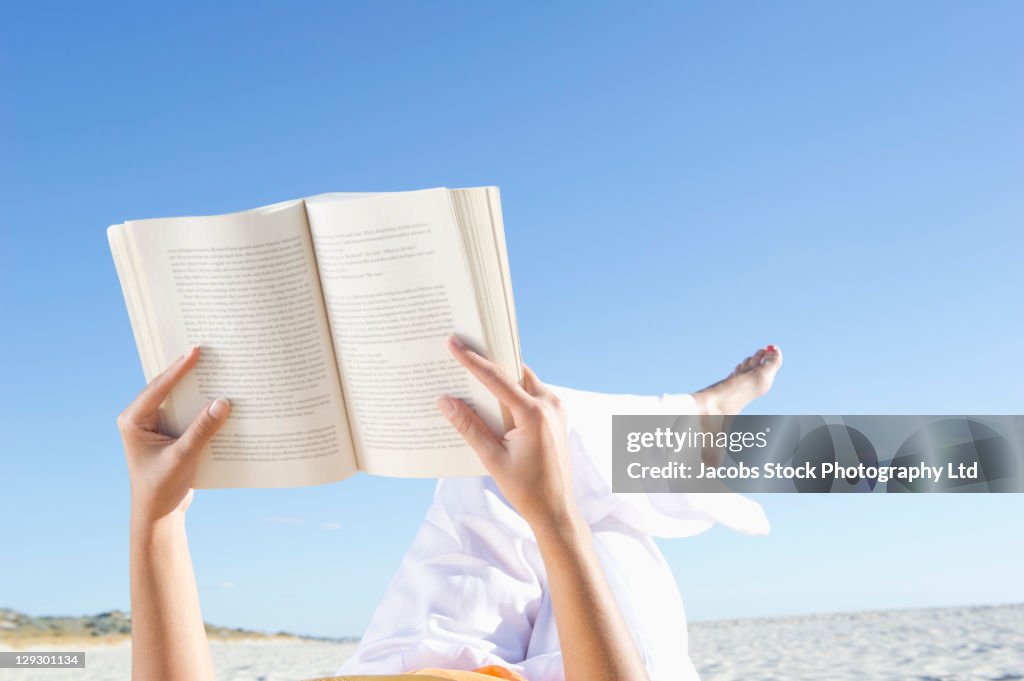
{"points": [[161, 468], [531, 466], [531, 462], [168, 638]]}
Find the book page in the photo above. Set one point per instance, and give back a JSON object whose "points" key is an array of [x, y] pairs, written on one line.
{"points": [[396, 284], [244, 287], [478, 211]]}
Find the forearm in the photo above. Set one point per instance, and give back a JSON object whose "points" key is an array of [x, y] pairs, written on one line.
{"points": [[596, 644], [168, 637]]}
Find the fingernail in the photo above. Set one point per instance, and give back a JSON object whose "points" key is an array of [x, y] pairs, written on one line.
{"points": [[457, 342], [446, 405], [218, 409], [771, 348]]}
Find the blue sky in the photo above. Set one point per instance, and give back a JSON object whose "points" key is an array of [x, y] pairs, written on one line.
{"points": [[682, 183]]}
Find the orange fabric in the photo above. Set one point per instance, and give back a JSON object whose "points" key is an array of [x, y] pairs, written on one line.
{"points": [[500, 672], [487, 673]]}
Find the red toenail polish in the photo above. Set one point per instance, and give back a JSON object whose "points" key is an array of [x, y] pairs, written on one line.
{"points": [[771, 348]]}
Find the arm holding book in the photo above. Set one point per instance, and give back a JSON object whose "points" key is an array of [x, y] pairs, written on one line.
{"points": [[531, 465], [168, 636]]}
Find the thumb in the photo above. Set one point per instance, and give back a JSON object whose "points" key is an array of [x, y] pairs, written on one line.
{"points": [[472, 429], [204, 427]]}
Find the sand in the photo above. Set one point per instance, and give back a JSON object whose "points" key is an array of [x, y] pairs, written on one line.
{"points": [[984, 643], [951, 644], [271, 660]]}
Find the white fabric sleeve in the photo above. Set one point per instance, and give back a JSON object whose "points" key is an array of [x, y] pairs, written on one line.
{"points": [[466, 594]]}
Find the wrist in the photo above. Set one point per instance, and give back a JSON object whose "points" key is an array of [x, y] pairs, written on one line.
{"points": [[146, 527], [559, 525]]}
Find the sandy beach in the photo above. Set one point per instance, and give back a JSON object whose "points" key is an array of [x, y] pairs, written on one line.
{"points": [[235, 661], [949, 644]]}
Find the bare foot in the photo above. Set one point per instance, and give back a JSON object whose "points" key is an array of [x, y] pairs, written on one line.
{"points": [[752, 378], [716, 403]]}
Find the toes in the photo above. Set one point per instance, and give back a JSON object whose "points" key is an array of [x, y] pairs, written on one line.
{"points": [[751, 362], [773, 357], [768, 356], [764, 376]]}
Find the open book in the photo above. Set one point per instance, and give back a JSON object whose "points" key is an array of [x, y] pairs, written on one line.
{"points": [[324, 321]]}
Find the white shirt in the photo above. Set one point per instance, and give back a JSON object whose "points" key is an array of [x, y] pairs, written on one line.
{"points": [[472, 589]]}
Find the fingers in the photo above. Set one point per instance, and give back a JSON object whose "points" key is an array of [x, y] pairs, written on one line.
{"points": [[532, 384], [154, 394], [204, 427], [473, 430], [508, 392], [535, 387]]}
